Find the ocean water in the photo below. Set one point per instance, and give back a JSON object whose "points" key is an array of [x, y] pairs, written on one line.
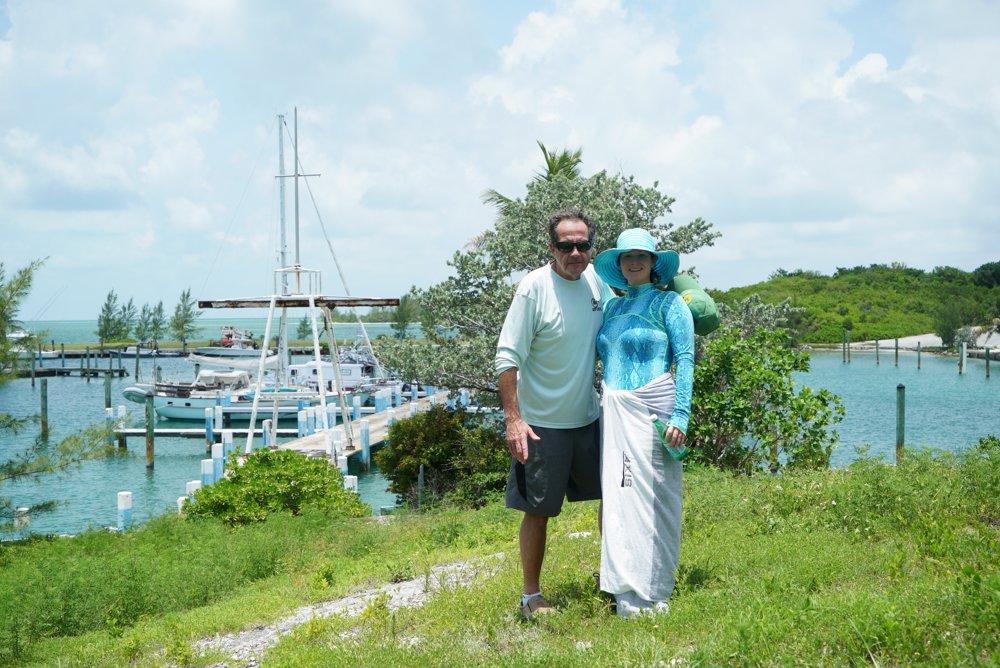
{"points": [[944, 410], [89, 492], [85, 331]]}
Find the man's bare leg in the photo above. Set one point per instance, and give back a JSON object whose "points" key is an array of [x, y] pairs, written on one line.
{"points": [[532, 539]]}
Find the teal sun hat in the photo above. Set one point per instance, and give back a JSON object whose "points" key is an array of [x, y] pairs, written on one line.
{"points": [[635, 238]]}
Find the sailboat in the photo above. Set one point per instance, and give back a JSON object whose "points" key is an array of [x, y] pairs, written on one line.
{"points": [[316, 382]]}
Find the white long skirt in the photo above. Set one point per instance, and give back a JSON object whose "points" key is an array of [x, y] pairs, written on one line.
{"points": [[641, 485]]}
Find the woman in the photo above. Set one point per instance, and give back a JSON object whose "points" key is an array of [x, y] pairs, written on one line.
{"points": [[645, 332]]}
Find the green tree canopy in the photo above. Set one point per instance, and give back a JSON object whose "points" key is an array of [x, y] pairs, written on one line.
{"points": [[184, 323], [464, 313]]}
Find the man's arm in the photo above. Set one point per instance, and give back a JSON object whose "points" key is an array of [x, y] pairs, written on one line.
{"points": [[518, 430]]}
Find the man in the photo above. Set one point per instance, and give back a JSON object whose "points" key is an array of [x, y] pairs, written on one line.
{"points": [[545, 362]]}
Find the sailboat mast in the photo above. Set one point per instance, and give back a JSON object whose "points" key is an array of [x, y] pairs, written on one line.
{"points": [[298, 262], [283, 357]]}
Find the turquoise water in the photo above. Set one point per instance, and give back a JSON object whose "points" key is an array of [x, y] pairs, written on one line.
{"points": [[84, 331], [89, 492], [943, 410]]}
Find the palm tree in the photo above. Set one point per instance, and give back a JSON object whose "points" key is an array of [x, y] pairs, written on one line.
{"points": [[564, 163]]}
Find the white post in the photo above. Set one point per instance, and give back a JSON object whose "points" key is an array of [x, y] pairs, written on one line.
{"points": [[227, 444], [22, 519], [366, 444], [342, 463], [331, 446], [351, 483], [218, 461], [355, 407], [303, 425], [207, 472], [209, 424], [413, 391], [268, 436], [218, 417], [413, 409], [124, 511], [311, 419], [397, 395], [180, 505], [961, 360], [192, 486], [463, 397]]}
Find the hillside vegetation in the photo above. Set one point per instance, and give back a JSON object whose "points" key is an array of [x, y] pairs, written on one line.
{"points": [[868, 565], [880, 301]]}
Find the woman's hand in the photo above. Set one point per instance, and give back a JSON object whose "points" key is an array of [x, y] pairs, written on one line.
{"points": [[674, 437]]}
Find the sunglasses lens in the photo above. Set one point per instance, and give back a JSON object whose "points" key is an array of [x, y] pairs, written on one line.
{"points": [[568, 246]]}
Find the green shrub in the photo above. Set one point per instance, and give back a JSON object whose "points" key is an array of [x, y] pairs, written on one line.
{"points": [[275, 481], [465, 459], [746, 411]]}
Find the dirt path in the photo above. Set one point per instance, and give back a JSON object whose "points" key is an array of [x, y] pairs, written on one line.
{"points": [[246, 648]]}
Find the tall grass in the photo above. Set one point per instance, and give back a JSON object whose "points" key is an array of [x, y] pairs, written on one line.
{"points": [[870, 565]]}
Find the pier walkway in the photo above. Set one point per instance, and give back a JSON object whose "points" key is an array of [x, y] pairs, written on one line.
{"points": [[316, 445]]}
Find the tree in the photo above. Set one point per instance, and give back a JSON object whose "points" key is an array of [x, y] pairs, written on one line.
{"points": [[407, 312], [157, 324], [12, 338], [987, 275], [143, 324], [125, 320], [183, 324], [464, 313], [42, 457], [107, 321]]}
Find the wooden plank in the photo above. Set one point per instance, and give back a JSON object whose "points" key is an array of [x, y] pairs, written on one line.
{"points": [[298, 301], [314, 445]]}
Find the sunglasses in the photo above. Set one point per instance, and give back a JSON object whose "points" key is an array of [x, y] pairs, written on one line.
{"points": [[568, 246]]}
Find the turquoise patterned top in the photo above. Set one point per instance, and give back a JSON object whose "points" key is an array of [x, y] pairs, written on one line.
{"points": [[644, 333]]}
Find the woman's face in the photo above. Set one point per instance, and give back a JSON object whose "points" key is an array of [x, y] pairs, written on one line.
{"points": [[636, 266]]}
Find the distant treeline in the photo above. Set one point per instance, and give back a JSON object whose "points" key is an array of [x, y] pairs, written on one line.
{"points": [[881, 301]]}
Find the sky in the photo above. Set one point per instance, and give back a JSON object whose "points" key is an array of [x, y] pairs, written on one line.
{"points": [[139, 140]]}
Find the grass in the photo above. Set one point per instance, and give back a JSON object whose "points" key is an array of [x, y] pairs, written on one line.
{"points": [[869, 565]]}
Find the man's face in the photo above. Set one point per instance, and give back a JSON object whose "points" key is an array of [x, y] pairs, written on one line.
{"points": [[571, 264]]}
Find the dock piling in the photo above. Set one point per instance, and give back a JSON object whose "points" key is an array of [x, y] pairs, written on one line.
{"points": [[366, 445], [192, 486], [900, 421], [918, 355], [207, 471], [122, 415], [150, 432], [209, 432], [351, 483], [897, 352], [987, 363], [218, 461], [22, 520], [124, 511], [107, 389], [961, 359], [109, 425], [45, 406], [877, 360]]}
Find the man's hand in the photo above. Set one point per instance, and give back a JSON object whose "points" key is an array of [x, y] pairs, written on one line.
{"points": [[674, 437], [518, 433]]}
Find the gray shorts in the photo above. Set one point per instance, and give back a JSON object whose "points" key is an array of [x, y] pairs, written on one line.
{"points": [[564, 463]]}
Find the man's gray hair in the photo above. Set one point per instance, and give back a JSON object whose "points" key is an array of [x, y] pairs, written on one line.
{"points": [[571, 214]]}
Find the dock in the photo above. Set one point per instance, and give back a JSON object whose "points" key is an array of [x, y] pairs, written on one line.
{"points": [[315, 445], [56, 372]]}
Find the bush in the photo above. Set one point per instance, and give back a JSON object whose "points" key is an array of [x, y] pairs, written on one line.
{"points": [[746, 411], [465, 459], [274, 481]]}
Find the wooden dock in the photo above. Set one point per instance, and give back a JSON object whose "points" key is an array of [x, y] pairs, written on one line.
{"points": [[55, 372], [315, 445]]}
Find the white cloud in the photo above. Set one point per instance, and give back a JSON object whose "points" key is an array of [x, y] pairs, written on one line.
{"points": [[810, 134]]}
